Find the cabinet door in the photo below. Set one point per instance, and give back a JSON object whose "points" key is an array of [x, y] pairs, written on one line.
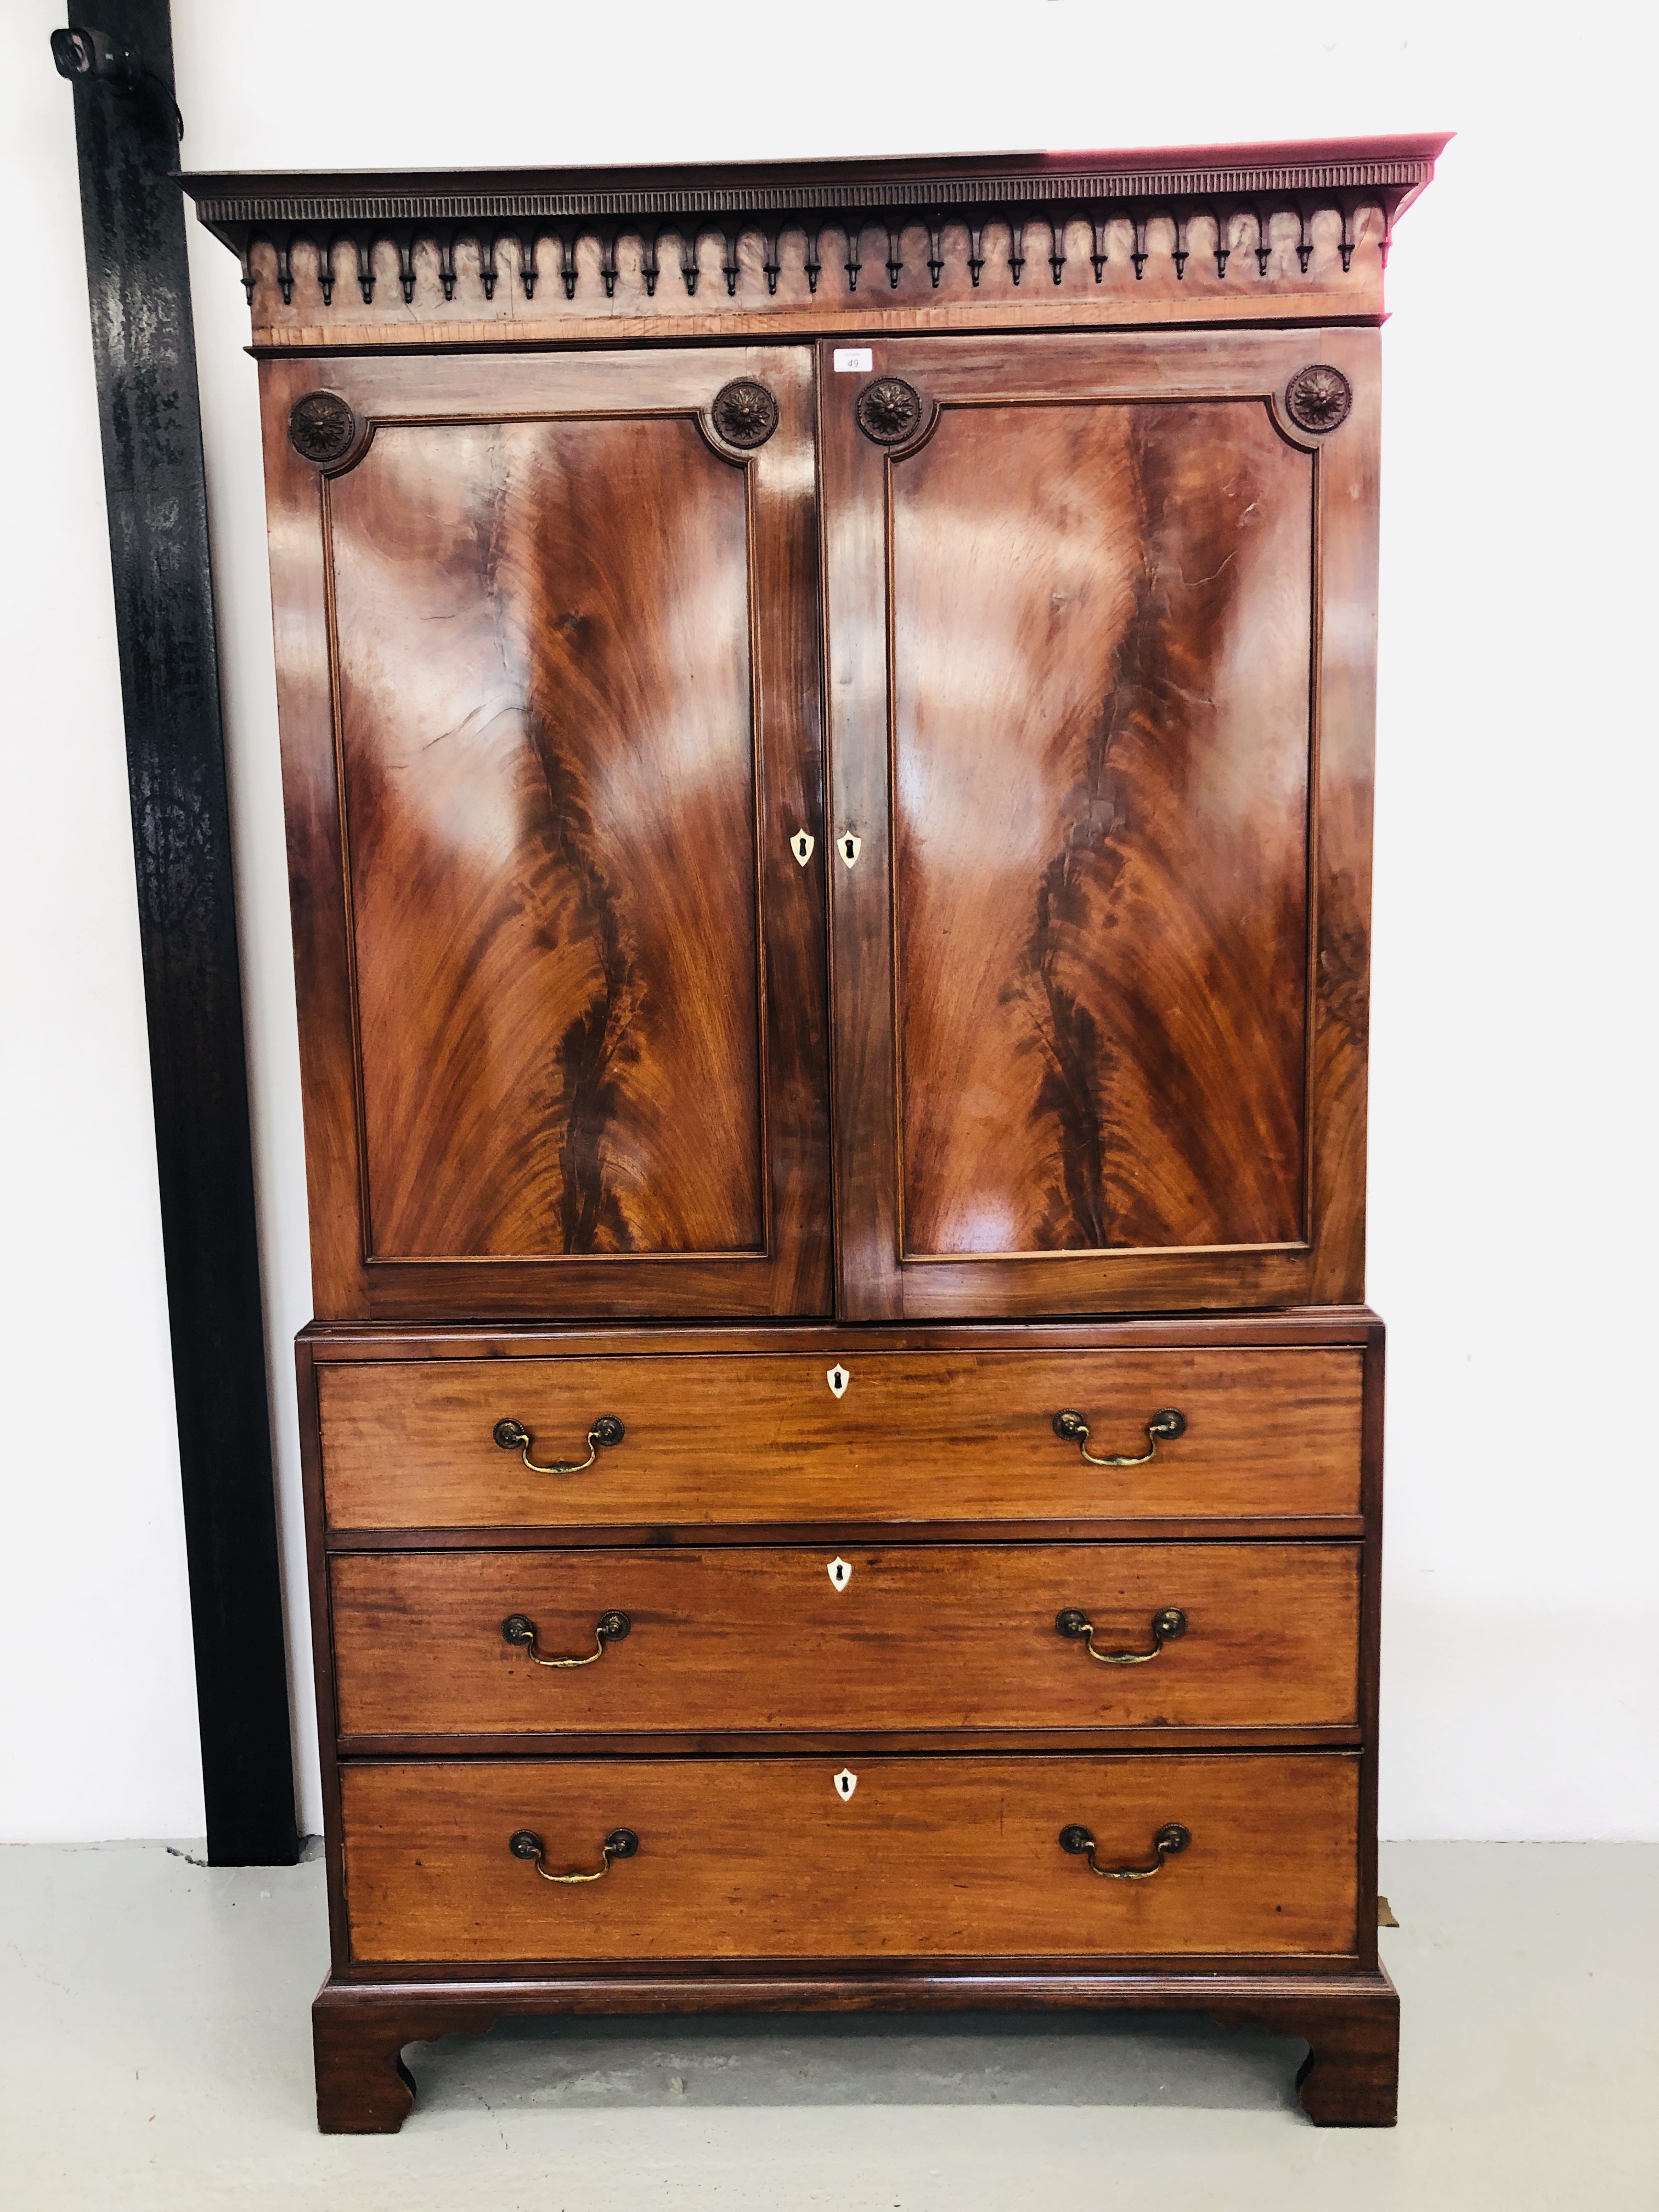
{"points": [[548, 663], [1101, 643]]}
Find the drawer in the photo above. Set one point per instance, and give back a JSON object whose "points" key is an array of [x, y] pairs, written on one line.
{"points": [[909, 1637], [763, 1858], [729, 1439]]}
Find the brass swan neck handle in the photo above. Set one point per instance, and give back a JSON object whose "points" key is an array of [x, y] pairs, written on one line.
{"points": [[512, 1435], [609, 1628], [620, 1843], [1168, 1842], [1167, 1625], [1163, 1428]]}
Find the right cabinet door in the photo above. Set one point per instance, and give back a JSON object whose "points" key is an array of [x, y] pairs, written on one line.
{"points": [[1101, 655]]}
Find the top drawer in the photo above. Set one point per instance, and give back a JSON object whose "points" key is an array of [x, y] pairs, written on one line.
{"points": [[872, 1436]]}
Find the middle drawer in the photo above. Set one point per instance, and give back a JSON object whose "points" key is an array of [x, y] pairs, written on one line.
{"points": [[1194, 1635]]}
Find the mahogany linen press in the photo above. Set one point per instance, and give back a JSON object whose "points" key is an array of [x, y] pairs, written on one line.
{"points": [[827, 721]]}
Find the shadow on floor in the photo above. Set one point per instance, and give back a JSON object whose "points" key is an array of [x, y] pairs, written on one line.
{"points": [[970, 2058]]}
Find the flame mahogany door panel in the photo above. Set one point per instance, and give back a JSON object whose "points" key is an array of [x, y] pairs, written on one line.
{"points": [[1100, 948], [549, 659]]}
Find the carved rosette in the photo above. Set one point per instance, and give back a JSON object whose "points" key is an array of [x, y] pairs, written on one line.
{"points": [[745, 413], [1318, 398], [322, 428], [888, 411]]}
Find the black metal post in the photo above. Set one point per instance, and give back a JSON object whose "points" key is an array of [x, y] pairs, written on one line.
{"points": [[138, 280]]}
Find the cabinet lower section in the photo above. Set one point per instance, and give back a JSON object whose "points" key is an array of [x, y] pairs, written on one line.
{"points": [[974, 1666]]}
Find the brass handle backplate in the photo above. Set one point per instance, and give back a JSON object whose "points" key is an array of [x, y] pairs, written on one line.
{"points": [[1168, 1842], [1168, 1625], [609, 1628], [512, 1435], [620, 1843], [1163, 1428]]}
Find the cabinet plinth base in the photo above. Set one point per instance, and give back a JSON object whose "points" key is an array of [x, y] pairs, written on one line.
{"points": [[1351, 2021]]}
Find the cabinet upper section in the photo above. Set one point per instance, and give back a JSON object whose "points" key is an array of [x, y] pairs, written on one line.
{"points": [[880, 825], [983, 243]]}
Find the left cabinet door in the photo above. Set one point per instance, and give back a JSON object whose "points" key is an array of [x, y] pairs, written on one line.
{"points": [[547, 672]]}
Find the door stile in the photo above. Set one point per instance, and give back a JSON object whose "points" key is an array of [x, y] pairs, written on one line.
{"points": [[869, 1283], [1348, 550]]}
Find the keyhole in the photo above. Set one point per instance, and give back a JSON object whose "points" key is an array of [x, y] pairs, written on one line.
{"points": [[846, 1783], [839, 1573], [801, 846], [849, 846], [838, 1378]]}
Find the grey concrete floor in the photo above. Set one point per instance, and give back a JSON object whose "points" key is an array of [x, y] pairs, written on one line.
{"points": [[155, 2054]]}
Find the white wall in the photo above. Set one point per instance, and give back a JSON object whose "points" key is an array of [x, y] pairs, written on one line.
{"points": [[1511, 1188], [97, 1693]]}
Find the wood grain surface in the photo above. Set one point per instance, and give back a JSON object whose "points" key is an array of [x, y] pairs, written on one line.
{"points": [[543, 666], [923, 1637], [943, 1857], [916, 1438], [1101, 618]]}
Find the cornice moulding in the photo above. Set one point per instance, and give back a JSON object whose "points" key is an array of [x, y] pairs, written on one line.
{"points": [[1231, 195], [348, 196]]}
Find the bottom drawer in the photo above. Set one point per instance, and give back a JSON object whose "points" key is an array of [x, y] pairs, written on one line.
{"points": [[921, 1858]]}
